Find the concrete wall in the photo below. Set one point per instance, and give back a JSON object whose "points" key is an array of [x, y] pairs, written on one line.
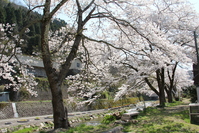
{"points": [[27, 109], [4, 96]]}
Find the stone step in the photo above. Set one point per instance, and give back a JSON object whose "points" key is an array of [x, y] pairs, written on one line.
{"points": [[129, 116]]}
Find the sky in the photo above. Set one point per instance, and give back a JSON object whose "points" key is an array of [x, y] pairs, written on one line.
{"points": [[196, 4]]}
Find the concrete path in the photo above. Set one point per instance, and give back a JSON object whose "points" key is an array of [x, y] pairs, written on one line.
{"points": [[7, 123]]}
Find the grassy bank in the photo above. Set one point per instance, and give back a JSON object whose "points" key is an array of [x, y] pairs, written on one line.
{"points": [[167, 120], [172, 119]]}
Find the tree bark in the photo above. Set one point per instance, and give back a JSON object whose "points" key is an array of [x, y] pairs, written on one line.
{"points": [[56, 78], [60, 114], [170, 88], [161, 86], [59, 111], [169, 96]]}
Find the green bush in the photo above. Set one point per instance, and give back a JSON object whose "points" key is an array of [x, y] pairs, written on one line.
{"points": [[190, 92], [42, 84], [108, 119], [110, 103], [24, 94], [2, 88]]}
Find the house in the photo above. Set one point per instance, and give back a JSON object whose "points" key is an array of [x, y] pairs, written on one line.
{"points": [[75, 67], [37, 66], [4, 97]]}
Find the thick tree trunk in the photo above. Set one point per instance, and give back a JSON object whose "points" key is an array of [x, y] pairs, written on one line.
{"points": [[60, 113], [55, 77]]}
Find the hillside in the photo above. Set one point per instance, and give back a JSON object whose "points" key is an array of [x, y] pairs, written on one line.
{"points": [[15, 14]]}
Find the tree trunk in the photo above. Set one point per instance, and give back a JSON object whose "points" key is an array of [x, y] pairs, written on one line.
{"points": [[162, 98], [171, 85], [161, 86], [54, 76], [170, 96], [60, 113]]}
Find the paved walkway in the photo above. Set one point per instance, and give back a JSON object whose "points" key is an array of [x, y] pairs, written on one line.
{"points": [[6, 123]]}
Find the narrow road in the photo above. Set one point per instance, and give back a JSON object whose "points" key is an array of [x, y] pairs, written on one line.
{"points": [[7, 123]]}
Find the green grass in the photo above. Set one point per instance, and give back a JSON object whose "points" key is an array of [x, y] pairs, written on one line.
{"points": [[108, 119], [88, 129], [184, 115], [81, 129], [26, 130], [174, 104], [156, 120]]}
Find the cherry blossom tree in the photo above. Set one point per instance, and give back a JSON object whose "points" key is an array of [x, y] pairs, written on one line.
{"points": [[126, 41], [151, 43], [166, 31], [13, 72]]}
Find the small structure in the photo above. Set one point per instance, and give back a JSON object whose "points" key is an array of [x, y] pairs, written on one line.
{"points": [[129, 116], [4, 97], [194, 113], [153, 96], [37, 66], [75, 67]]}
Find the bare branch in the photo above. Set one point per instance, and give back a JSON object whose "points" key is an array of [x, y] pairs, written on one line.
{"points": [[89, 5], [151, 86], [89, 16], [34, 8], [57, 8], [78, 5]]}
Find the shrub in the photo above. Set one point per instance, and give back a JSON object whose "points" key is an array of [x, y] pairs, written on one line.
{"points": [[190, 92], [1, 88], [24, 94], [108, 119]]}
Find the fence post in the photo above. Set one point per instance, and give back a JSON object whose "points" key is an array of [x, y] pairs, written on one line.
{"points": [[15, 110]]}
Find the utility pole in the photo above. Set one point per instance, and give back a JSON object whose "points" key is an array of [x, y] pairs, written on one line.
{"points": [[196, 68]]}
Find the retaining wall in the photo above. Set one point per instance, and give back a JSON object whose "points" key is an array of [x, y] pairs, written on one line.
{"points": [[30, 109], [38, 108]]}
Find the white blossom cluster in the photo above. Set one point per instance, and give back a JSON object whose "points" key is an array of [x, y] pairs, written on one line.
{"points": [[124, 42], [13, 73]]}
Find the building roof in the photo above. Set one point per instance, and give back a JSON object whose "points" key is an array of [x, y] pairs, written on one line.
{"points": [[32, 61], [36, 62]]}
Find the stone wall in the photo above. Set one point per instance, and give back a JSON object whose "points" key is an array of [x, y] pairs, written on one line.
{"points": [[6, 111], [37, 108], [34, 109], [27, 109], [43, 94]]}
